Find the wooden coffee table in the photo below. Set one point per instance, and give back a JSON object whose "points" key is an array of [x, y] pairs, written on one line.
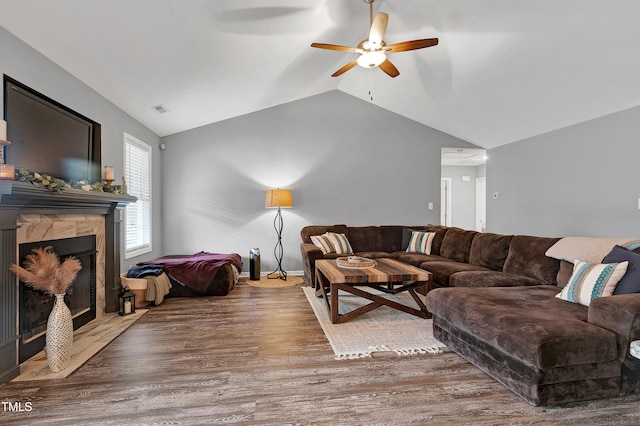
{"points": [[388, 276]]}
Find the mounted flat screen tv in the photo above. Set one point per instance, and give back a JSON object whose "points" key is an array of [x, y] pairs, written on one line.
{"points": [[47, 137]]}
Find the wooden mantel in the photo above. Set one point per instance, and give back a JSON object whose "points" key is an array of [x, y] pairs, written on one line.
{"points": [[24, 198]]}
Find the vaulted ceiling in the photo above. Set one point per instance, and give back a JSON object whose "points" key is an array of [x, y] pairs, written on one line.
{"points": [[504, 70]]}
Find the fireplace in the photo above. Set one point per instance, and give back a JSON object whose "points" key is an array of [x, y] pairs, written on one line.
{"points": [[34, 306], [29, 214]]}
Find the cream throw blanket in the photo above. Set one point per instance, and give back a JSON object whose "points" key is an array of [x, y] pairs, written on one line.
{"points": [[586, 249], [157, 288]]}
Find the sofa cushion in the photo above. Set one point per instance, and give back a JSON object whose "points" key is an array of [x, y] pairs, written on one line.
{"points": [[490, 279], [308, 231], [490, 250], [391, 238], [420, 242], [416, 259], [441, 271], [373, 254], [630, 283], [365, 238], [456, 244], [564, 273], [528, 323], [527, 257], [592, 280]]}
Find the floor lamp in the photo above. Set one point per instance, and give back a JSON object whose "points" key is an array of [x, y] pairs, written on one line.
{"points": [[278, 199]]}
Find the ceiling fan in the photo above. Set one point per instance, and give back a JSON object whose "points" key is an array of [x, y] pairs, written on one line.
{"points": [[373, 51]]}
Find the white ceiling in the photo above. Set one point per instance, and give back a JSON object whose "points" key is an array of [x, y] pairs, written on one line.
{"points": [[504, 69]]}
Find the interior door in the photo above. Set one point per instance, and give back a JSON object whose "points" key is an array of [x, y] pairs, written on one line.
{"points": [[445, 201], [481, 204]]}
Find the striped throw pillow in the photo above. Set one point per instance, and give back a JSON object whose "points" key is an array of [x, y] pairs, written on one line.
{"points": [[340, 243], [420, 242], [592, 280], [323, 242]]}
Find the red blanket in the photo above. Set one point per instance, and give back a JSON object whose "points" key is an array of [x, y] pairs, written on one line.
{"points": [[196, 271]]}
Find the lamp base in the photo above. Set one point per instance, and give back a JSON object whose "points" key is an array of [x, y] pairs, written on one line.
{"points": [[280, 274]]}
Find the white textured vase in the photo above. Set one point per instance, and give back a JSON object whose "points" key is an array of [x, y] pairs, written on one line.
{"points": [[59, 335]]}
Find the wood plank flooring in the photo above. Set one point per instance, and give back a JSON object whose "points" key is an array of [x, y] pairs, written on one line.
{"points": [[258, 357], [88, 340]]}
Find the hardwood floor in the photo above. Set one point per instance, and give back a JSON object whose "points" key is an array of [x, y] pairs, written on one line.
{"points": [[259, 356]]}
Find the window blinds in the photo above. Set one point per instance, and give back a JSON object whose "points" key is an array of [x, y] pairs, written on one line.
{"points": [[137, 171]]}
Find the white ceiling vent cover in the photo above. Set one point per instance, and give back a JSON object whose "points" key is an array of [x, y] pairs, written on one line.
{"points": [[160, 108]]}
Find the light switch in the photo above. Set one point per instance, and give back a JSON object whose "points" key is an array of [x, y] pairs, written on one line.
{"points": [[638, 203], [431, 205]]}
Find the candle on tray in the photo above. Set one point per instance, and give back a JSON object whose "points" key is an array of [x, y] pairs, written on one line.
{"points": [[108, 173], [3, 130], [7, 171]]}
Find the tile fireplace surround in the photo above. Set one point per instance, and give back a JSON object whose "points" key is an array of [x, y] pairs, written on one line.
{"points": [[31, 214]]}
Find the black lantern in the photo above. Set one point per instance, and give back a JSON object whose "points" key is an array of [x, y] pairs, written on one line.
{"points": [[126, 302]]}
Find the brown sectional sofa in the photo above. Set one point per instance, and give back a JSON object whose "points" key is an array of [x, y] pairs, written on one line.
{"points": [[458, 257], [493, 302]]}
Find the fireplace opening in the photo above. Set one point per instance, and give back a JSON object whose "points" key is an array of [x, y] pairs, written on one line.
{"points": [[35, 306]]}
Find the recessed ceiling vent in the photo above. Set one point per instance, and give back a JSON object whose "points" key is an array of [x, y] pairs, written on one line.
{"points": [[160, 108]]}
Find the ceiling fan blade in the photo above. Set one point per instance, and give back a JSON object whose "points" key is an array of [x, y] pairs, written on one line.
{"points": [[403, 46], [389, 68], [336, 47], [345, 68], [378, 28]]}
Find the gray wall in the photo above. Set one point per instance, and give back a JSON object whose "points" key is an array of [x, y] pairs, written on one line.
{"points": [[345, 160], [577, 181], [26, 65]]}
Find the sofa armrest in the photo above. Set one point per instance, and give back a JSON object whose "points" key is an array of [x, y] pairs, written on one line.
{"points": [[619, 314], [310, 254]]}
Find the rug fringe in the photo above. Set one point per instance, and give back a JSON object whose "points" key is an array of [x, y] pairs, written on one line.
{"points": [[400, 352], [353, 356], [418, 351]]}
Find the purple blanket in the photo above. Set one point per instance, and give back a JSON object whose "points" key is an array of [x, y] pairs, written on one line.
{"points": [[196, 271]]}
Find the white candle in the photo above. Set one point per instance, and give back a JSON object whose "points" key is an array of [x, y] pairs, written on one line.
{"points": [[108, 173], [3, 130], [127, 307]]}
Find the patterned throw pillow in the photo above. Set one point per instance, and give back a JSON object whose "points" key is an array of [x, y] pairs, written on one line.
{"points": [[340, 243], [632, 245], [420, 242], [592, 280], [323, 242]]}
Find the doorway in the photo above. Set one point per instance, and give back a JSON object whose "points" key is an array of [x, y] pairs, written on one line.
{"points": [[463, 188]]}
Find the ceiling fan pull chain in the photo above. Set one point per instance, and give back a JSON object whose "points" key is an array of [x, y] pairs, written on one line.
{"points": [[371, 75]]}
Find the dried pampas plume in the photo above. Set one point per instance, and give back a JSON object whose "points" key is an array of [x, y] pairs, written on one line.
{"points": [[43, 271]]}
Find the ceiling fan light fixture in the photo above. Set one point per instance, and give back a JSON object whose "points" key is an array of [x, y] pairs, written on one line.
{"points": [[372, 59]]}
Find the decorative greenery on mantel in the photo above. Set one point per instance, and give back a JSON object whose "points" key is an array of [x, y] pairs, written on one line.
{"points": [[42, 180]]}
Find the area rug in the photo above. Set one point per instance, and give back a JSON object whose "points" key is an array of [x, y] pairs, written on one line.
{"points": [[382, 330], [275, 282]]}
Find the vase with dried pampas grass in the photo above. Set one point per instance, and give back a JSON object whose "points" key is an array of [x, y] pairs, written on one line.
{"points": [[43, 271]]}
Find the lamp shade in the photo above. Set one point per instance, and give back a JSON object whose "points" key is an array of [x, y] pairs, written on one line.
{"points": [[278, 198]]}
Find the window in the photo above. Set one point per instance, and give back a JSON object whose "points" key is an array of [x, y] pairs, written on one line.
{"points": [[137, 172]]}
